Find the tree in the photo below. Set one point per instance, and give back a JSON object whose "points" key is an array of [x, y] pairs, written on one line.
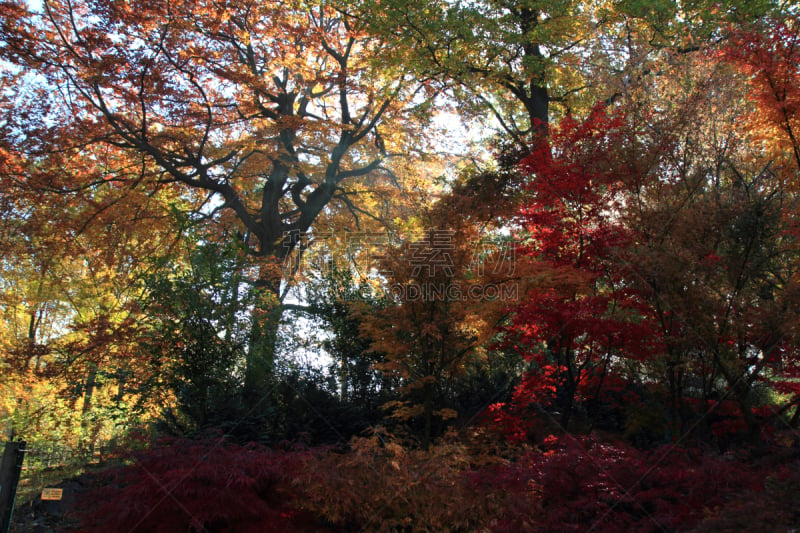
{"points": [[504, 57], [270, 110], [68, 286], [582, 319], [75, 246], [670, 240], [199, 339], [448, 284], [70, 314], [333, 296], [767, 52]]}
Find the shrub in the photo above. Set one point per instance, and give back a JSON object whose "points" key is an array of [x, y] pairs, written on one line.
{"points": [[583, 484], [207, 485], [381, 484]]}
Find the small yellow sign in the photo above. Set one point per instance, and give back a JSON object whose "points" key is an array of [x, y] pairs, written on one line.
{"points": [[52, 494]]}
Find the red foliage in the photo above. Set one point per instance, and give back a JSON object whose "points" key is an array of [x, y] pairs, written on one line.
{"points": [[573, 188], [510, 422], [613, 296], [567, 484], [585, 317], [775, 506], [203, 485], [581, 484]]}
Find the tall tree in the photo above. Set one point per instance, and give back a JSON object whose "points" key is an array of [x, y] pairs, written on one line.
{"points": [[68, 295], [199, 337], [271, 109], [504, 57], [527, 63], [579, 323]]}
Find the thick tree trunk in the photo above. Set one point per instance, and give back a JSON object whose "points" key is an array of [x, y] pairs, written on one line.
{"points": [[265, 318], [261, 354], [88, 393]]}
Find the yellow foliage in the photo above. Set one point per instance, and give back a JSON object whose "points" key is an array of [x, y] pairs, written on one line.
{"points": [[383, 485]]}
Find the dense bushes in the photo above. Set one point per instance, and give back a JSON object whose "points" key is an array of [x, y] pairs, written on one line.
{"points": [[583, 483], [196, 485], [379, 483]]}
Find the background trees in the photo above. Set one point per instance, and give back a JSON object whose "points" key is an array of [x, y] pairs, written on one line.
{"points": [[666, 230]]}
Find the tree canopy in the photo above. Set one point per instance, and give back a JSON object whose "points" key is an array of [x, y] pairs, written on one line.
{"points": [[236, 239]]}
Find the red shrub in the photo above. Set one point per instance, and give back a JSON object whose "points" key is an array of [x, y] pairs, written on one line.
{"points": [[196, 485], [580, 484]]}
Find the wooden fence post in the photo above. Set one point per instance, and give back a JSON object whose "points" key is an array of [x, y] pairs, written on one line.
{"points": [[10, 469]]}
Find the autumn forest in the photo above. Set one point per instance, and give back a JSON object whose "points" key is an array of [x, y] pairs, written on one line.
{"points": [[402, 265]]}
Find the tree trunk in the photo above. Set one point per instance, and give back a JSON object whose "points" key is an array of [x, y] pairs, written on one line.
{"points": [[260, 361], [91, 383], [427, 414], [746, 407], [567, 407]]}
